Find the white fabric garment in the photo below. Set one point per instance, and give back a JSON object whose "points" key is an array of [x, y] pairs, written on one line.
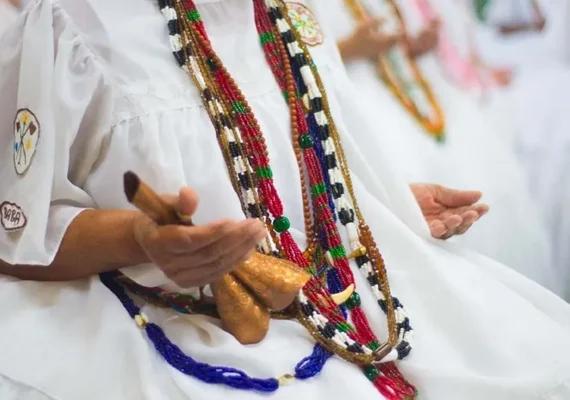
{"points": [[473, 157], [110, 97], [8, 15], [535, 104], [527, 49]]}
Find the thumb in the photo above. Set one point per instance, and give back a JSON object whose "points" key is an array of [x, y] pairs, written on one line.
{"points": [[187, 201], [456, 198]]}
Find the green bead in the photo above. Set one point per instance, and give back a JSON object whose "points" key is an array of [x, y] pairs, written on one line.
{"points": [[264, 172], [211, 64], [343, 327], [371, 372], [319, 189], [374, 345], [337, 252], [238, 107], [353, 301], [267, 37], [281, 224], [305, 141], [193, 15]]}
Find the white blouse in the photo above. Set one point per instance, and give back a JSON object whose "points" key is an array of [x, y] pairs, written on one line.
{"points": [[106, 97]]}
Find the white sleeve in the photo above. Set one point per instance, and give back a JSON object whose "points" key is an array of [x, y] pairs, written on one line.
{"points": [[55, 108]]}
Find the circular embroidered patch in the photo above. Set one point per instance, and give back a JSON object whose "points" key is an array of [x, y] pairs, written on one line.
{"points": [[306, 24], [26, 135]]}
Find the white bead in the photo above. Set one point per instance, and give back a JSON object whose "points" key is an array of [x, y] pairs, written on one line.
{"points": [[176, 42], [321, 118], [392, 356], [196, 69], [308, 76], [282, 25], [169, 13]]}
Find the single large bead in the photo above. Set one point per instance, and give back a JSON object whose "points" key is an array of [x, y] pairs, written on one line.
{"points": [[305, 141], [371, 372], [353, 301], [281, 224]]}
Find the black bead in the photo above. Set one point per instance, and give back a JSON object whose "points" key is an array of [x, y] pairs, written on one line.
{"points": [[337, 190], [396, 302], [244, 181], [288, 37], [207, 94], [299, 60], [344, 216], [373, 279], [405, 325], [328, 331], [355, 348], [274, 14], [317, 104], [225, 120], [179, 55], [234, 149], [173, 27], [323, 133], [254, 210], [330, 161]]}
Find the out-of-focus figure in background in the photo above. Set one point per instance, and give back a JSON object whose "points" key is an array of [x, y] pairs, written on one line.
{"points": [[524, 84], [524, 33], [390, 56]]}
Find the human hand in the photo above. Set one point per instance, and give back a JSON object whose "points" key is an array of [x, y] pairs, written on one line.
{"points": [[193, 256], [448, 212], [368, 42], [427, 40], [502, 76]]}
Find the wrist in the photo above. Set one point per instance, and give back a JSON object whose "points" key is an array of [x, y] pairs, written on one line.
{"points": [[134, 239]]}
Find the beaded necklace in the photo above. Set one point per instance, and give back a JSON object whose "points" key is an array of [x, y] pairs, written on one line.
{"points": [[327, 197], [403, 77]]}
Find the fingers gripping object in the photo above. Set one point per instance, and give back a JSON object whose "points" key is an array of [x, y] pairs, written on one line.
{"points": [[245, 297]]}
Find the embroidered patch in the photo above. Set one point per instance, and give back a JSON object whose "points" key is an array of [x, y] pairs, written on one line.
{"points": [[306, 24], [12, 216], [26, 135]]}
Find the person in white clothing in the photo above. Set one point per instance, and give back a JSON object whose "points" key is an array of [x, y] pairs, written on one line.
{"points": [[182, 94], [532, 100], [473, 153], [529, 34]]}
